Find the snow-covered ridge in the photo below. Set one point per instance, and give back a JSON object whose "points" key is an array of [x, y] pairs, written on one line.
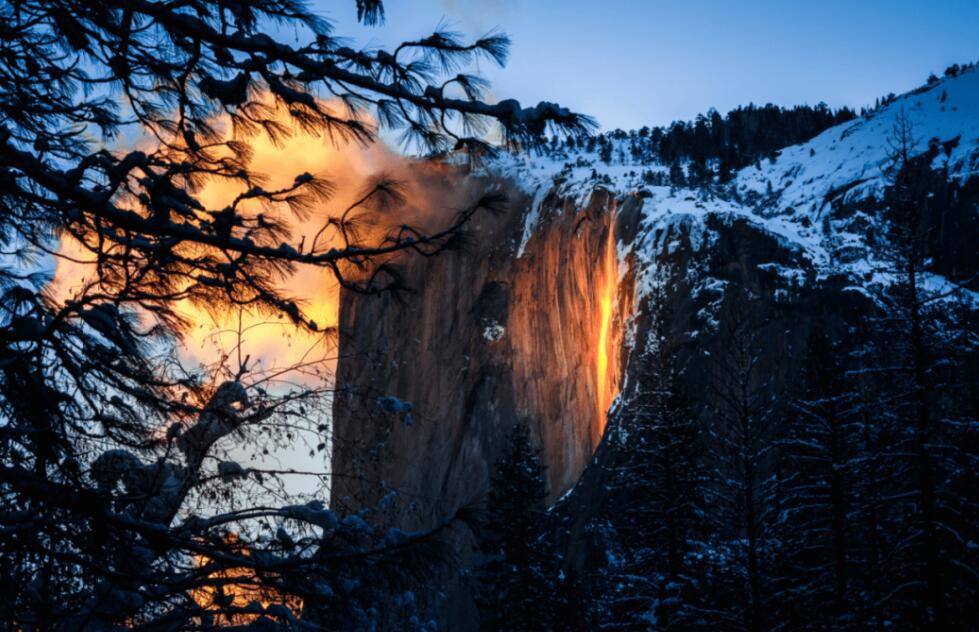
{"points": [[787, 197], [946, 112]]}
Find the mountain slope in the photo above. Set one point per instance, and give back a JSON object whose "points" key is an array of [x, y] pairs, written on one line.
{"points": [[508, 333], [791, 196]]}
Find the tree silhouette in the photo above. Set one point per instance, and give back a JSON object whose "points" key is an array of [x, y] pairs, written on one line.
{"points": [[657, 479], [516, 584], [742, 486], [110, 471]]}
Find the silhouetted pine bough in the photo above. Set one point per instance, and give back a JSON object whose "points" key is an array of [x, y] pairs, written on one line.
{"points": [[118, 508]]}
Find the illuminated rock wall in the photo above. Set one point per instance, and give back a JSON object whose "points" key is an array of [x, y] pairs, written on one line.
{"points": [[488, 339]]}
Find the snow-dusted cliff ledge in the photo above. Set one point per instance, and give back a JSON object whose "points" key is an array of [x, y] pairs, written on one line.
{"points": [[790, 197], [504, 333]]}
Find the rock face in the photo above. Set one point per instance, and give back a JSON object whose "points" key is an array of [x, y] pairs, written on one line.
{"points": [[495, 337], [741, 258], [513, 329], [489, 339]]}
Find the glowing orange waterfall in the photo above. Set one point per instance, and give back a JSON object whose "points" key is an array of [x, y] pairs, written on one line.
{"points": [[605, 382]]}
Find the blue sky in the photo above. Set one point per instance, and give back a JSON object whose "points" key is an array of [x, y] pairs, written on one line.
{"points": [[631, 63]]}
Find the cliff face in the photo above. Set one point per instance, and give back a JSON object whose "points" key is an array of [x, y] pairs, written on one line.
{"points": [[525, 326], [488, 339], [542, 321]]}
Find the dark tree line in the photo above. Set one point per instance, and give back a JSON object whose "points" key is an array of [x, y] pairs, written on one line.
{"points": [[712, 147], [743, 136], [846, 501], [841, 496]]}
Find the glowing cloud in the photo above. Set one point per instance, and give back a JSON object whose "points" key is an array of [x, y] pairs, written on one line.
{"points": [[274, 344]]}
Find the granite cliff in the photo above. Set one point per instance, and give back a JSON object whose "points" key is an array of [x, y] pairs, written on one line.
{"points": [[540, 321], [486, 340]]}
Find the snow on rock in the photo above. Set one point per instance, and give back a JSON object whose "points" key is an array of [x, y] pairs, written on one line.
{"points": [[396, 406], [850, 159], [531, 220], [787, 198], [494, 331]]}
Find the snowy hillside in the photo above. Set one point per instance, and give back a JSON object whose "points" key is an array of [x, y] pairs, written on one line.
{"points": [[788, 195], [849, 159]]}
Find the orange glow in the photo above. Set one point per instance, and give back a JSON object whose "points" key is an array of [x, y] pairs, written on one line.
{"points": [[271, 343], [276, 343], [606, 382], [239, 594]]}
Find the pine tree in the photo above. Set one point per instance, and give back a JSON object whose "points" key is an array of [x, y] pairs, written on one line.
{"points": [[515, 589], [677, 177], [742, 489], [821, 453], [656, 483], [879, 501], [906, 320], [958, 424], [931, 440], [605, 150]]}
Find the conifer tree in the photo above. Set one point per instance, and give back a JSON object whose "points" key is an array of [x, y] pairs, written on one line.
{"points": [[743, 437], [929, 440], [821, 453], [516, 584]]}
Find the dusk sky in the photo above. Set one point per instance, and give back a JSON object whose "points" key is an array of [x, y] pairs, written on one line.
{"points": [[632, 63]]}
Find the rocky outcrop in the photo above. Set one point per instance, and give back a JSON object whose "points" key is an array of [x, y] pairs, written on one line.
{"points": [[488, 339], [494, 336], [514, 329]]}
